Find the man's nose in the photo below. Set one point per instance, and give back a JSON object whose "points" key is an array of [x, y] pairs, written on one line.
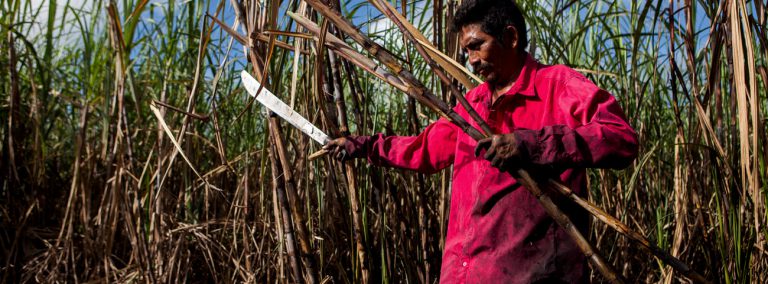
{"points": [[474, 60]]}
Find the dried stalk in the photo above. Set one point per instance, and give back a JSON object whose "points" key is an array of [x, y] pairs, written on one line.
{"points": [[322, 84], [414, 128], [289, 187], [13, 119], [622, 228], [349, 170], [291, 209], [416, 89], [279, 189], [262, 37], [748, 105], [461, 74], [296, 212], [394, 16], [348, 53]]}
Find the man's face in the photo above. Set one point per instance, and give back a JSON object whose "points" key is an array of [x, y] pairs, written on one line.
{"points": [[488, 56]]}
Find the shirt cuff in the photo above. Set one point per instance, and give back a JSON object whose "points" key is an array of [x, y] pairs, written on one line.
{"points": [[359, 146], [528, 144]]}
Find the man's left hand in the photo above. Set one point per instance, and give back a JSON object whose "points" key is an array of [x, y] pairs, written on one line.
{"points": [[502, 150]]}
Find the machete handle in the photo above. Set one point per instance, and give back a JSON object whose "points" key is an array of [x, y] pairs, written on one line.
{"points": [[318, 154]]}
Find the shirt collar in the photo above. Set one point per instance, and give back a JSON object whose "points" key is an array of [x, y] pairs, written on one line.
{"points": [[525, 82]]}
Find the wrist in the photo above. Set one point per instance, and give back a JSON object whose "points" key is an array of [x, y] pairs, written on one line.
{"points": [[357, 146], [526, 143]]}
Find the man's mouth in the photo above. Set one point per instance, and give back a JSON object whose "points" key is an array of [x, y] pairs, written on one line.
{"points": [[483, 69]]}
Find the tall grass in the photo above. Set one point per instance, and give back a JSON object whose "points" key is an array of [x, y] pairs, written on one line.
{"points": [[131, 153]]}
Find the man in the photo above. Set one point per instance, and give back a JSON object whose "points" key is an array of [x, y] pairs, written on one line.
{"points": [[548, 119]]}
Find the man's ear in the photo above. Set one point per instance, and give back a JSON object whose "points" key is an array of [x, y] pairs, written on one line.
{"points": [[510, 37]]}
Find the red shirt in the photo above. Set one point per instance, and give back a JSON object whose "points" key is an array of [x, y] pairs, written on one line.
{"points": [[497, 231]]}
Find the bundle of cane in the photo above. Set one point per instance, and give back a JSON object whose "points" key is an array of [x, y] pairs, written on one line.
{"points": [[402, 79]]}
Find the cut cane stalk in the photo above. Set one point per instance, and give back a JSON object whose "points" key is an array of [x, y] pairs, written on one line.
{"points": [[620, 227]]}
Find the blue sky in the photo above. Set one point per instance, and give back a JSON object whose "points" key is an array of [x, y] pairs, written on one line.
{"points": [[363, 13]]}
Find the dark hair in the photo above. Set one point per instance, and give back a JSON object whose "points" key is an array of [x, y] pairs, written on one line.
{"points": [[493, 16]]}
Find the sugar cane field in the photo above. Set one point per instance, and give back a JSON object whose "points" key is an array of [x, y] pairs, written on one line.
{"points": [[132, 151]]}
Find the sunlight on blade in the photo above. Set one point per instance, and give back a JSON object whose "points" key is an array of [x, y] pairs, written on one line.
{"points": [[266, 98]]}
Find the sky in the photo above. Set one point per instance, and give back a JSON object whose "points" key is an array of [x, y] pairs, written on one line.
{"points": [[69, 35], [362, 15], [38, 24]]}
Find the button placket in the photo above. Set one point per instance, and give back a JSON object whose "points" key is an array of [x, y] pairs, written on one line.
{"points": [[465, 262]]}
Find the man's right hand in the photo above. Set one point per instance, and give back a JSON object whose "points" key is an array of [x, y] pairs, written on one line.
{"points": [[344, 148]]}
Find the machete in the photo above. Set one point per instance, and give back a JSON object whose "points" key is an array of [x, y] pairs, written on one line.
{"points": [[274, 104]]}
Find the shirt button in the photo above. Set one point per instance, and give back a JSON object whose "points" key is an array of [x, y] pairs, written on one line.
{"points": [[464, 264]]}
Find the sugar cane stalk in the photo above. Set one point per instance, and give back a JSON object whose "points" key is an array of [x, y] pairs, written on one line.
{"points": [[293, 201], [354, 203], [348, 53], [286, 189], [389, 11], [349, 171], [626, 231], [465, 78], [279, 189], [415, 88]]}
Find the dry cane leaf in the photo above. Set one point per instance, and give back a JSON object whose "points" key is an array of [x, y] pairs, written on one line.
{"points": [[173, 140]]}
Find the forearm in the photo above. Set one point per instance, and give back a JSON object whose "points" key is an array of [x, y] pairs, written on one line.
{"points": [[593, 145], [428, 152]]}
